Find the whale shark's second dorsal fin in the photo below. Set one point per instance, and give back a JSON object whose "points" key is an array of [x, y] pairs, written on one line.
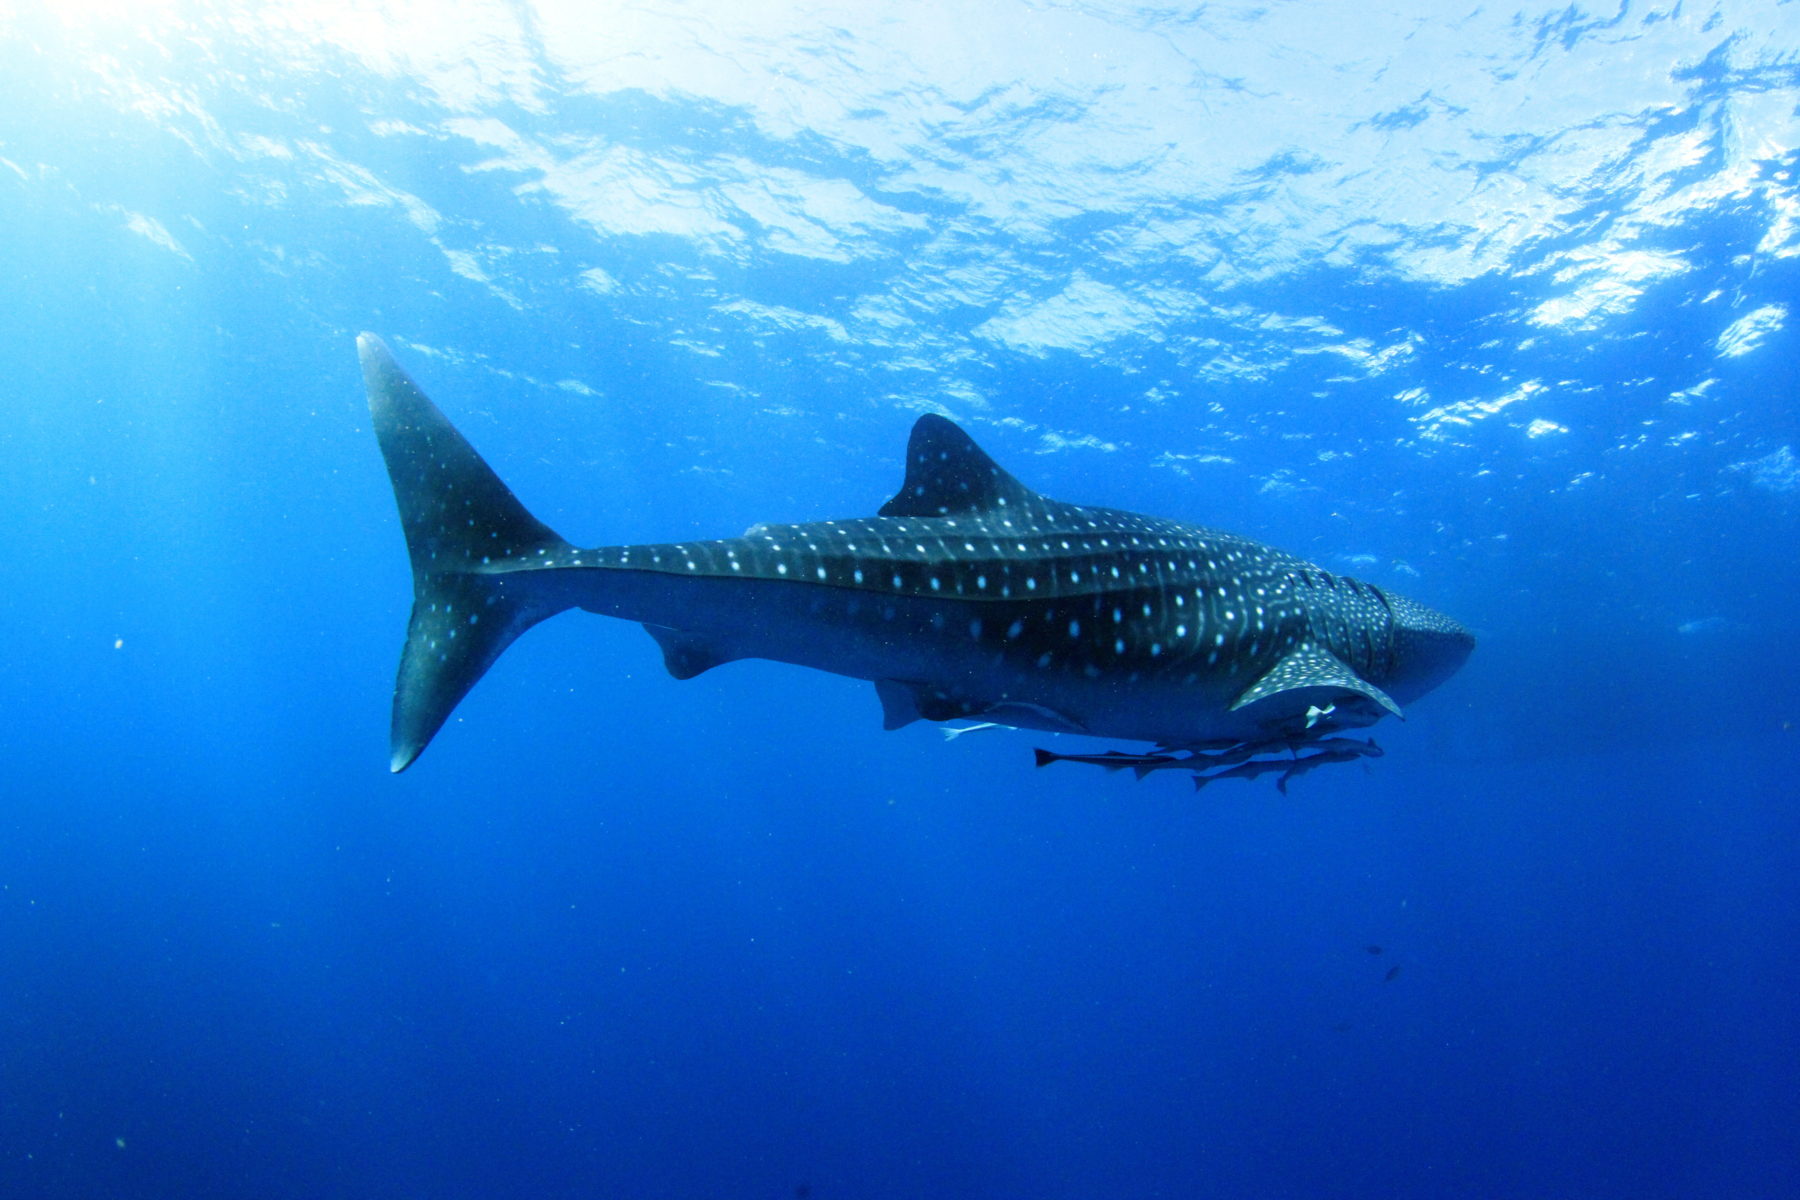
{"points": [[948, 475]]}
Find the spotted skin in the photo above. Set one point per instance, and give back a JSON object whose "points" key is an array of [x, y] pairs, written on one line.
{"points": [[968, 595]]}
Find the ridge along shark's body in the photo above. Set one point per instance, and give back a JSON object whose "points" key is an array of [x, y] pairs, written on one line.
{"points": [[969, 595]]}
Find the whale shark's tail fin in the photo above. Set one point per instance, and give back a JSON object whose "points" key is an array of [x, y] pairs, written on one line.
{"points": [[473, 547]]}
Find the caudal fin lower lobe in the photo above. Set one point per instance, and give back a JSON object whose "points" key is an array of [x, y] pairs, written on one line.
{"points": [[472, 546]]}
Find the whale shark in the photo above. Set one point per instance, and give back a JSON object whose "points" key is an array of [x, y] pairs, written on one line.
{"points": [[967, 596]]}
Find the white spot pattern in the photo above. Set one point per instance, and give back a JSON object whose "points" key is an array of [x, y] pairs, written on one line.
{"points": [[1048, 586]]}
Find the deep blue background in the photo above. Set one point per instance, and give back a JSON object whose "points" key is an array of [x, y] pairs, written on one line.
{"points": [[621, 936]]}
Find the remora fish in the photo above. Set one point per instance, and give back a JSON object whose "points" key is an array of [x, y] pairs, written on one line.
{"points": [[1114, 760], [1289, 767], [1197, 759], [1256, 768], [969, 595]]}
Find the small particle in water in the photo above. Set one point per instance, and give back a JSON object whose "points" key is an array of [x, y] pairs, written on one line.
{"points": [[1393, 974], [1373, 949], [119, 1142], [118, 643]]}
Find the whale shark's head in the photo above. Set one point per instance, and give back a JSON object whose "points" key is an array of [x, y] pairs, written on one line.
{"points": [[1428, 648]]}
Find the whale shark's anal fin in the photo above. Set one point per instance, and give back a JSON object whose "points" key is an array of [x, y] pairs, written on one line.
{"points": [[472, 546], [687, 654]]}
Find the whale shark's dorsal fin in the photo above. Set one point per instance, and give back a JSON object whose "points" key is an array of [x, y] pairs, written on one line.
{"points": [[948, 475]]}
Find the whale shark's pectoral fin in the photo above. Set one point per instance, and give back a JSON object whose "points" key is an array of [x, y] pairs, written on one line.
{"points": [[688, 654], [1309, 681]]}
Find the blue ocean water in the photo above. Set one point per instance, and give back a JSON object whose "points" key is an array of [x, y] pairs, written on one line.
{"points": [[1490, 306]]}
